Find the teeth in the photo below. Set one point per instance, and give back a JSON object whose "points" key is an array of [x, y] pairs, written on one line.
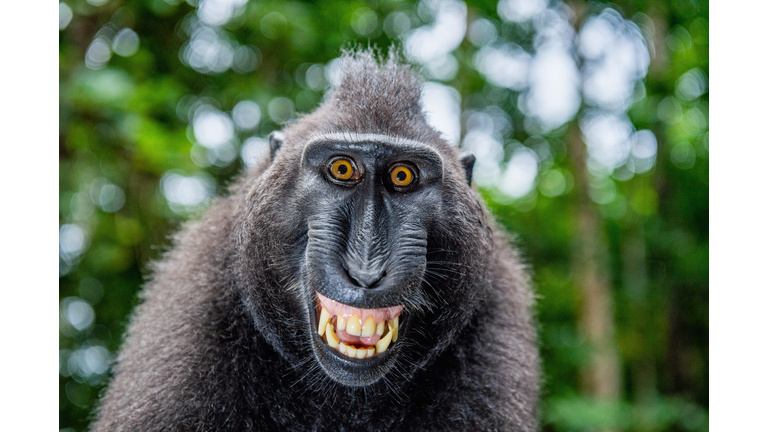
{"points": [[382, 344], [351, 351], [333, 340], [353, 326], [369, 328], [325, 316], [395, 328]]}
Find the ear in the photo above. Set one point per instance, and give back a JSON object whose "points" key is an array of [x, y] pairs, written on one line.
{"points": [[276, 139], [468, 160]]}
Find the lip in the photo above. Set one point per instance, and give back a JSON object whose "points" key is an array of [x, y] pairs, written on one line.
{"points": [[370, 298]]}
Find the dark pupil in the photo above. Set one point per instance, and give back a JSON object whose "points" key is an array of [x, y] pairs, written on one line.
{"points": [[342, 169], [401, 176]]}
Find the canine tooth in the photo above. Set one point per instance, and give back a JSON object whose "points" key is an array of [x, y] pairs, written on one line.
{"points": [[343, 348], [330, 336], [370, 352], [380, 327], [353, 326], [382, 344], [369, 328], [325, 316], [361, 353], [395, 328], [340, 323], [351, 351]]}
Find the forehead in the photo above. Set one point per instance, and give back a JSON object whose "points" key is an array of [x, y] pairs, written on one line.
{"points": [[376, 145]]}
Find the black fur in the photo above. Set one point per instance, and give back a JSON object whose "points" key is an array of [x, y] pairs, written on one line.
{"points": [[223, 339]]}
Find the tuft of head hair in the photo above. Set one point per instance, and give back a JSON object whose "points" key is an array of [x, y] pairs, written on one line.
{"points": [[386, 86], [375, 95]]}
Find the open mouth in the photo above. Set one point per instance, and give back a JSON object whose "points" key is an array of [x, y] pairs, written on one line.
{"points": [[355, 332]]}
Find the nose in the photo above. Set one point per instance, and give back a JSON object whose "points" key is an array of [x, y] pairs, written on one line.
{"points": [[367, 278]]}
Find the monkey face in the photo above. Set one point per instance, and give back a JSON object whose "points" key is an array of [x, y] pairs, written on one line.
{"points": [[372, 218], [367, 230]]}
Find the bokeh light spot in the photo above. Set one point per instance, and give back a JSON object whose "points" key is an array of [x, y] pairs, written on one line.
{"points": [[683, 155], [644, 148], [553, 97], [72, 242], [482, 32], [218, 12], [280, 109], [364, 21], [602, 190], [246, 115], [396, 23], [186, 194], [691, 85], [333, 72], [78, 313], [98, 53], [441, 105], [608, 138], [247, 59], [111, 198], [432, 44], [552, 183], [209, 50], [505, 66], [615, 58], [520, 176], [254, 151], [669, 110], [81, 206], [65, 15], [694, 122], [315, 77], [273, 25], [520, 10], [126, 43], [212, 128]]}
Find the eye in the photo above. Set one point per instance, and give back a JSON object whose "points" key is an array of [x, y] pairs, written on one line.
{"points": [[401, 175], [343, 168]]}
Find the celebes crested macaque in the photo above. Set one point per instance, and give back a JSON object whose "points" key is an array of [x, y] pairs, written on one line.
{"points": [[352, 281]]}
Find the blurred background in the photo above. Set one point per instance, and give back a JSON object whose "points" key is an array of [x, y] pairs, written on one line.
{"points": [[589, 121]]}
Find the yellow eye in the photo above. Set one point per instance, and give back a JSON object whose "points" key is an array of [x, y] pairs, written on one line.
{"points": [[342, 169], [401, 176]]}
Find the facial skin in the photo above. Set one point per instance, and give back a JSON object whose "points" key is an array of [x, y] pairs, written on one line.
{"points": [[368, 235], [370, 208]]}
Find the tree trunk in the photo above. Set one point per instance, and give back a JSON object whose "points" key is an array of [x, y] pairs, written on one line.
{"points": [[600, 374]]}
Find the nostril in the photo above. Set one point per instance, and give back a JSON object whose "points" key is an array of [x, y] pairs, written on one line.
{"points": [[366, 279]]}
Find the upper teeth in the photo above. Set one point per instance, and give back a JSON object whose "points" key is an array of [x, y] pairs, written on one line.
{"points": [[353, 325], [325, 316]]}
